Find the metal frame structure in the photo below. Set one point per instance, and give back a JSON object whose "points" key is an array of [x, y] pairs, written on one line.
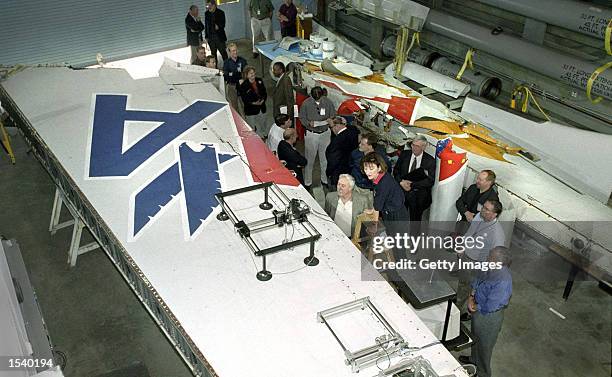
{"points": [[417, 366], [388, 344], [77, 228], [293, 212], [137, 281]]}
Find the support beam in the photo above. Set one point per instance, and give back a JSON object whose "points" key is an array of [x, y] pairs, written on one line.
{"points": [[77, 228]]}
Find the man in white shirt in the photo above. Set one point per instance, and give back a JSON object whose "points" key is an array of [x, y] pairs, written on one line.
{"points": [[345, 204], [275, 135]]}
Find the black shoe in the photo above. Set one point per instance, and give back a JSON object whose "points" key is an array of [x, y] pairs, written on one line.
{"points": [[255, 55], [466, 317], [465, 360]]}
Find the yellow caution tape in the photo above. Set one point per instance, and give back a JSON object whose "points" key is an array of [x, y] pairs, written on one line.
{"points": [[527, 96], [467, 62], [400, 50], [415, 38], [607, 38], [592, 79]]}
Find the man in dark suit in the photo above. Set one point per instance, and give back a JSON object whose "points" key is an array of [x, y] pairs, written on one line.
{"points": [[338, 152], [472, 200], [293, 159], [282, 97], [214, 29], [194, 27], [415, 171]]}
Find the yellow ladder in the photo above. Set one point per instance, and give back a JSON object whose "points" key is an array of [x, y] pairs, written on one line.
{"points": [[6, 142]]}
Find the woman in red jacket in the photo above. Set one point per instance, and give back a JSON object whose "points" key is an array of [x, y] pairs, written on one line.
{"points": [[253, 94]]}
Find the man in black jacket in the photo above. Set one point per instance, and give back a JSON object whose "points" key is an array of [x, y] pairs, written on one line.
{"points": [[472, 200], [415, 171], [338, 152], [214, 29], [293, 159], [194, 27]]}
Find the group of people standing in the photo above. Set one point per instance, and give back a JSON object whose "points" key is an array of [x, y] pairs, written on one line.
{"points": [[399, 196], [356, 171], [213, 25], [244, 90]]}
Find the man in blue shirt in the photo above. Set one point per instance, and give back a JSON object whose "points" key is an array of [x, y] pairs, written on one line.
{"points": [[491, 292], [232, 72]]}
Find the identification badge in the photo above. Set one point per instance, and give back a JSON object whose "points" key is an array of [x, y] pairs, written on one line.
{"points": [[296, 111], [322, 111], [283, 110], [230, 74]]}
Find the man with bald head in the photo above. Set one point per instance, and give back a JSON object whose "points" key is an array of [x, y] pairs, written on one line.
{"points": [[294, 161], [489, 297], [470, 203]]}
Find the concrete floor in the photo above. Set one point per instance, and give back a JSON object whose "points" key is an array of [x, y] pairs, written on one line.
{"points": [[95, 319]]}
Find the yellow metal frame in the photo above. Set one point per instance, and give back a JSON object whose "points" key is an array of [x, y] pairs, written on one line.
{"points": [[6, 142]]}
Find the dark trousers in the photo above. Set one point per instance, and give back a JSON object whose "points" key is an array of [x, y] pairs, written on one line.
{"points": [[289, 31], [396, 222], [217, 45], [417, 202], [485, 329]]}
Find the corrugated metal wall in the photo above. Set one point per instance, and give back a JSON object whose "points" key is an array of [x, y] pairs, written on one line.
{"points": [[73, 31]]}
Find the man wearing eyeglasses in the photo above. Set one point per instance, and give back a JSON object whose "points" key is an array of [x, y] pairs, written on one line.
{"points": [[485, 226]]}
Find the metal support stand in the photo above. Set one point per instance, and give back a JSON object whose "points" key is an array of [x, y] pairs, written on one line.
{"points": [[77, 228], [446, 319], [294, 213], [311, 260], [266, 204], [264, 275], [570, 281]]}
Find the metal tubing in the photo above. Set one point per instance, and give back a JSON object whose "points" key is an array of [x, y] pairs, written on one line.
{"points": [[446, 319], [243, 190], [482, 85], [285, 246], [360, 303], [280, 194], [565, 68], [333, 333], [382, 319], [582, 17]]}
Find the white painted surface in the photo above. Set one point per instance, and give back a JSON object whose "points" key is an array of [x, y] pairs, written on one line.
{"points": [[431, 79], [242, 326], [580, 158]]}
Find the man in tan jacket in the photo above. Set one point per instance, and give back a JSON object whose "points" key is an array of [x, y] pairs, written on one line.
{"points": [[345, 205], [282, 96]]}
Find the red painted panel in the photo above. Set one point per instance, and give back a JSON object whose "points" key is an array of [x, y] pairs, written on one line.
{"points": [[265, 167]]}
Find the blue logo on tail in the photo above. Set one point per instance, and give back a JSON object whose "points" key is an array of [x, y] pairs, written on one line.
{"points": [[195, 175]]}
